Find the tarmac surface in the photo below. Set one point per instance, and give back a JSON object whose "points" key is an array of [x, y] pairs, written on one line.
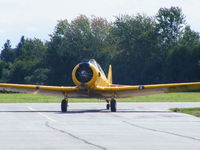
{"points": [[88, 126]]}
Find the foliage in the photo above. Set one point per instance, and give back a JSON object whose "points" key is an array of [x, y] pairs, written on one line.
{"points": [[27, 58], [170, 24], [136, 41], [142, 50], [73, 42]]}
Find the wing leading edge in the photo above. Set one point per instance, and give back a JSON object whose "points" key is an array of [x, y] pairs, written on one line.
{"points": [[59, 91], [122, 91]]}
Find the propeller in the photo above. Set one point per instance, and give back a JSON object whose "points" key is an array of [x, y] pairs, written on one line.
{"points": [[84, 73]]}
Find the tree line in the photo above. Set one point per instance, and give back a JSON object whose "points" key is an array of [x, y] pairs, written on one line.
{"points": [[141, 48]]}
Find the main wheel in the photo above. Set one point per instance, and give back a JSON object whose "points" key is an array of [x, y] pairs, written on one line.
{"points": [[64, 105], [108, 106], [113, 105]]}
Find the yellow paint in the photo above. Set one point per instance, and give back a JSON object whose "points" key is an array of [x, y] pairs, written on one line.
{"points": [[110, 74]]}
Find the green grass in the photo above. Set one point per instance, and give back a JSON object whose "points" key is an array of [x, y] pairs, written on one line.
{"points": [[31, 98], [191, 111], [167, 97], [171, 97], [26, 98]]}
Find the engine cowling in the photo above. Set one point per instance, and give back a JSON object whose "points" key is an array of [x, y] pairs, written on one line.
{"points": [[84, 74]]}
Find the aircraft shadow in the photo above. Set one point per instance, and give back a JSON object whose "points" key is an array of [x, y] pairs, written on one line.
{"points": [[108, 111], [26, 111], [84, 111]]}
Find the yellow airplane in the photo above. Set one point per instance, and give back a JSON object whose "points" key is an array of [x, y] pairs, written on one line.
{"points": [[91, 82]]}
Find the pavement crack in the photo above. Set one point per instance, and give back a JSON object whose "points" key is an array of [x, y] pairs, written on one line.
{"points": [[155, 130], [75, 137]]}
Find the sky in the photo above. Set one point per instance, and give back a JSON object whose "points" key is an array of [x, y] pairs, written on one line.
{"points": [[38, 18]]}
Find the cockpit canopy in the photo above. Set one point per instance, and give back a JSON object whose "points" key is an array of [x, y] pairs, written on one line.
{"points": [[93, 62]]}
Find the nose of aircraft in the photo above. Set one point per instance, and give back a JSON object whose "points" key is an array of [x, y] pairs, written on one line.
{"points": [[84, 73]]}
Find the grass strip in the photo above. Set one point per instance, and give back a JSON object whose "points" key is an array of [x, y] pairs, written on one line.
{"points": [[191, 111], [167, 97]]}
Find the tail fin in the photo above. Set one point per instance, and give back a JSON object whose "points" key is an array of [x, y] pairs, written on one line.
{"points": [[110, 74]]}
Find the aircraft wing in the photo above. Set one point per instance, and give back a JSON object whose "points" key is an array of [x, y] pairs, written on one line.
{"points": [[122, 91], [116, 91], [60, 91]]}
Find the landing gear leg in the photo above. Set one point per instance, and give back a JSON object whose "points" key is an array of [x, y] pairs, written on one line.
{"points": [[107, 105], [64, 105], [113, 105]]}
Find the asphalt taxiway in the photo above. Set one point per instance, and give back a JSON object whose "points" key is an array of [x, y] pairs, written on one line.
{"points": [[88, 126]]}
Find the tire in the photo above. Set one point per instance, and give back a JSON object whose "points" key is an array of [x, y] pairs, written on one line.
{"points": [[108, 106], [113, 104], [64, 104]]}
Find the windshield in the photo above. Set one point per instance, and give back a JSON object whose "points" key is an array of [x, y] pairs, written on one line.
{"points": [[92, 61]]}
